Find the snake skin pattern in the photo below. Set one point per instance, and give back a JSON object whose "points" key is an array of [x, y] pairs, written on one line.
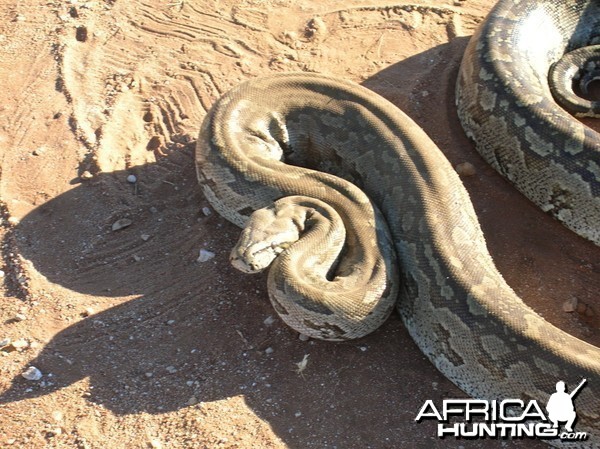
{"points": [[505, 105], [316, 157], [567, 73]]}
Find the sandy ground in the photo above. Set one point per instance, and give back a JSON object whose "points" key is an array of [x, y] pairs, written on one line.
{"points": [[139, 344]]}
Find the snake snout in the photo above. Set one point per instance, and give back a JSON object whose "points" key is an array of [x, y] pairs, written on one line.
{"points": [[243, 266], [254, 257]]}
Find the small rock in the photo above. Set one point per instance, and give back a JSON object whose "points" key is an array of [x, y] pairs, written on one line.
{"points": [[302, 364], [86, 175], [466, 169], [57, 415], [32, 373], [20, 317], [148, 375], [4, 342], [131, 179], [269, 350], [13, 221], [205, 256], [145, 237], [170, 322], [137, 258], [88, 311], [11, 441], [155, 444], [570, 305], [121, 224], [363, 348], [298, 414], [192, 401], [206, 211], [2, 274], [38, 151], [55, 432], [269, 320], [303, 337], [171, 369], [20, 344]]}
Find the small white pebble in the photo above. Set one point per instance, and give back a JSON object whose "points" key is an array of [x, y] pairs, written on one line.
{"points": [[205, 256], [171, 369], [269, 350], [145, 237], [20, 344], [4, 342], [570, 305], [137, 258], [32, 373], [466, 169], [170, 322], [2, 274], [121, 224], [20, 317], [298, 414], [269, 320], [13, 221], [363, 348], [88, 311], [303, 337], [206, 211], [132, 179], [302, 364], [86, 175], [148, 375], [155, 444], [192, 401]]}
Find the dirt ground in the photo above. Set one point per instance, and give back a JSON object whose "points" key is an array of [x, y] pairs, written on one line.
{"points": [[139, 344]]}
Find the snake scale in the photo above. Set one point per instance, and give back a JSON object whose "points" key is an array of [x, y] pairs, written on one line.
{"points": [[352, 205]]}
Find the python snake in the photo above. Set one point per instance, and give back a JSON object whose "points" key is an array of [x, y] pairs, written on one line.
{"points": [[340, 180]]}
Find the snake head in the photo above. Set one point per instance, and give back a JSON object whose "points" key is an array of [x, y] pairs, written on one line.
{"points": [[268, 232]]}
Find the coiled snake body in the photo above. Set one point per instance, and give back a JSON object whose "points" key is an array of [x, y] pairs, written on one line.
{"points": [[403, 197], [505, 105]]}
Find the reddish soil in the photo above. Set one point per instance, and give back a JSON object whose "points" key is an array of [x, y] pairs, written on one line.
{"points": [[139, 344]]}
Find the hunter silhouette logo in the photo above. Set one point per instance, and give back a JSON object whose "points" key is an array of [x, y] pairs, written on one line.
{"points": [[560, 406], [507, 418]]}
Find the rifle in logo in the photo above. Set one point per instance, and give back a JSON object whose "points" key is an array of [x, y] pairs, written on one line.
{"points": [[560, 405]]}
